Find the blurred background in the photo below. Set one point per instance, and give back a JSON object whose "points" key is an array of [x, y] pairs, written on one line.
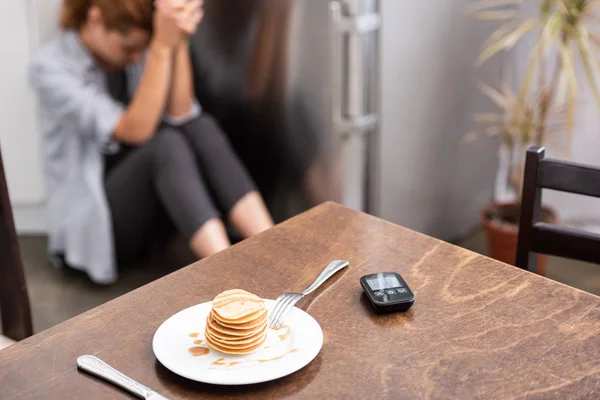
{"points": [[366, 102]]}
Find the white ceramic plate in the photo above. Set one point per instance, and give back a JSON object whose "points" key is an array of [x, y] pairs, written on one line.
{"points": [[285, 351]]}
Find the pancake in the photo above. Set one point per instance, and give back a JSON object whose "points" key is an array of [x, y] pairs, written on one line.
{"points": [[217, 331], [215, 325], [237, 343], [233, 305], [259, 320], [237, 322], [230, 350], [239, 346], [235, 339], [247, 318]]}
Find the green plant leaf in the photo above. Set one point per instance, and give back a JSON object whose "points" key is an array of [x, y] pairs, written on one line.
{"points": [[564, 31], [550, 33], [494, 95], [501, 32], [567, 65], [507, 42], [512, 38], [491, 51]]}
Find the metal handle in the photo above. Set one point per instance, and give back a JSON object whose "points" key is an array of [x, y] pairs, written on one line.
{"points": [[327, 273], [360, 125], [340, 26], [99, 368]]}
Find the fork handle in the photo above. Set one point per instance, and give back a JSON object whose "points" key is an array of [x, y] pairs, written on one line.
{"points": [[327, 273]]}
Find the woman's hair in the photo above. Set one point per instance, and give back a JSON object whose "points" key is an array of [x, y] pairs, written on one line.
{"points": [[119, 15]]}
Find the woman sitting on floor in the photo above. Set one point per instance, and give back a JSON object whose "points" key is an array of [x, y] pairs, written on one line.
{"points": [[126, 145]]}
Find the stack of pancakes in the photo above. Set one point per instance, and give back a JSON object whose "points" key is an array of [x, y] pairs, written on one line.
{"points": [[237, 323]]}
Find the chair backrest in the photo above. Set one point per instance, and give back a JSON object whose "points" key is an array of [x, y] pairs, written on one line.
{"points": [[536, 236], [14, 302]]}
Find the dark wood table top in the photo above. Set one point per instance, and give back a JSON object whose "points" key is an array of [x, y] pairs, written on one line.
{"points": [[478, 329]]}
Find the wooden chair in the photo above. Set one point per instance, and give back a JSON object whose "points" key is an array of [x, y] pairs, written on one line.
{"points": [[14, 302], [539, 237]]}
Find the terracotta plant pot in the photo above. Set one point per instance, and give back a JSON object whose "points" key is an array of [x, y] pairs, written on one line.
{"points": [[502, 234]]}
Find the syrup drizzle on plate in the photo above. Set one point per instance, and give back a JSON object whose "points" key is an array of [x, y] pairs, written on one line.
{"points": [[222, 362], [197, 351], [282, 336]]}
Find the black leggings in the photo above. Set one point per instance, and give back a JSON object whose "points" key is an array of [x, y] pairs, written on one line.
{"points": [[183, 176]]}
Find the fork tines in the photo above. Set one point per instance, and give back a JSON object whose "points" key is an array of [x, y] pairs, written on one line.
{"points": [[283, 305]]}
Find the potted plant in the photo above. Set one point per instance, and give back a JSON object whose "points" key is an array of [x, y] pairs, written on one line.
{"points": [[542, 111]]}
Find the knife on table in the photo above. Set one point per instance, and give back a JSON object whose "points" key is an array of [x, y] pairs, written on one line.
{"points": [[97, 367]]}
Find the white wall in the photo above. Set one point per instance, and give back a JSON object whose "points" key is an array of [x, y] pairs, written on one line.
{"points": [[431, 181], [18, 125], [44, 15], [24, 25]]}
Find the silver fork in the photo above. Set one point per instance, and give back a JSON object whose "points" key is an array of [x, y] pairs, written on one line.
{"points": [[286, 301]]}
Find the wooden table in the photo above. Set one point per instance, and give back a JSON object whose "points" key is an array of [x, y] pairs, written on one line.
{"points": [[478, 329]]}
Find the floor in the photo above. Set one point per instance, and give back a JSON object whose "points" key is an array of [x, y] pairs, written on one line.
{"points": [[57, 295]]}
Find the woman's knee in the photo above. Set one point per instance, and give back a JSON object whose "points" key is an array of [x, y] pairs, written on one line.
{"points": [[209, 123], [207, 131], [169, 145]]}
